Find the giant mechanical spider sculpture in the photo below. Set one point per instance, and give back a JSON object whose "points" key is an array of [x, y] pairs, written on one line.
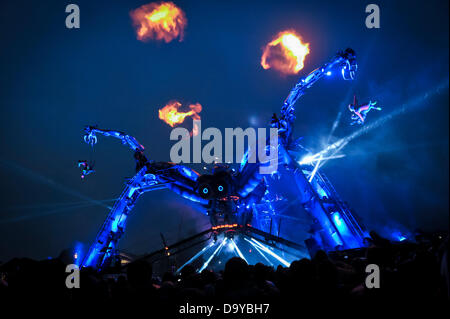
{"points": [[229, 197]]}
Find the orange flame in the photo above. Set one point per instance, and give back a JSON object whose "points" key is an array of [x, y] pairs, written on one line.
{"points": [[286, 53], [159, 21], [171, 114]]}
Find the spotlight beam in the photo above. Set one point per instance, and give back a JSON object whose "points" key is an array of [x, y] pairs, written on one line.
{"points": [[268, 251], [49, 182], [261, 253], [315, 169], [238, 251], [48, 205], [44, 213], [201, 252], [213, 254], [311, 159], [412, 104]]}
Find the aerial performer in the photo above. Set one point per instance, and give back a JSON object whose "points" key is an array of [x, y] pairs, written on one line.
{"points": [[86, 168], [359, 112]]}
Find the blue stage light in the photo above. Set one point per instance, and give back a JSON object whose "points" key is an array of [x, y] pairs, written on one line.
{"points": [[262, 254], [268, 251], [315, 169], [238, 251], [201, 252], [213, 254], [337, 219]]}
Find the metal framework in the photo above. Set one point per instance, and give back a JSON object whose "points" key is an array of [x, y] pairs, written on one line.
{"points": [[265, 244]]}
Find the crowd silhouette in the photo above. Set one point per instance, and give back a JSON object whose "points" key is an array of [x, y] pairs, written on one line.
{"points": [[410, 271]]}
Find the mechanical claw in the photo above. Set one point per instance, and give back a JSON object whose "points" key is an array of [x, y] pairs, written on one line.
{"points": [[90, 137]]}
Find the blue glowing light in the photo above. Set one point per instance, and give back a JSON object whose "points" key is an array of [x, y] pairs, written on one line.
{"points": [[90, 258], [262, 254], [213, 254], [315, 170], [78, 254], [238, 250], [255, 243], [337, 228], [337, 219], [114, 225], [398, 236], [201, 252]]}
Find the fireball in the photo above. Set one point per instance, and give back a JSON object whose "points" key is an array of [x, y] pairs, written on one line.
{"points": [[286, 53], [162, 21], [172, 115]]}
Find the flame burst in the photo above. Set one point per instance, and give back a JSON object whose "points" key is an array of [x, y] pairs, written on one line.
{"points": [[172, 115], [286, 53], [159, 21]]}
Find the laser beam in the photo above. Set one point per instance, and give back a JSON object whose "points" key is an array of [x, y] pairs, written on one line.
{"points": [[49, 182], [43, 214], [412, 104]]}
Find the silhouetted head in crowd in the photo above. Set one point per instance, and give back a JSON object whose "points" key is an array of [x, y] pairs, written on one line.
{"points": [[321, 256], [208, 276], [261, 271], [325, 276], [236, 270], [303, 266], [379, 241], [187, 271], [168, 276], [139, 273]]}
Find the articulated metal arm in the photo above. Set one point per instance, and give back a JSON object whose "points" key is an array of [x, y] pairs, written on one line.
{"points": [[150, 176], [153, 176], [91, 137], [345, 60], [114, 225]]}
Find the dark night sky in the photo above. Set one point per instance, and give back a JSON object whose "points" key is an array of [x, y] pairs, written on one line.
{"points": [[54, 81]]}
